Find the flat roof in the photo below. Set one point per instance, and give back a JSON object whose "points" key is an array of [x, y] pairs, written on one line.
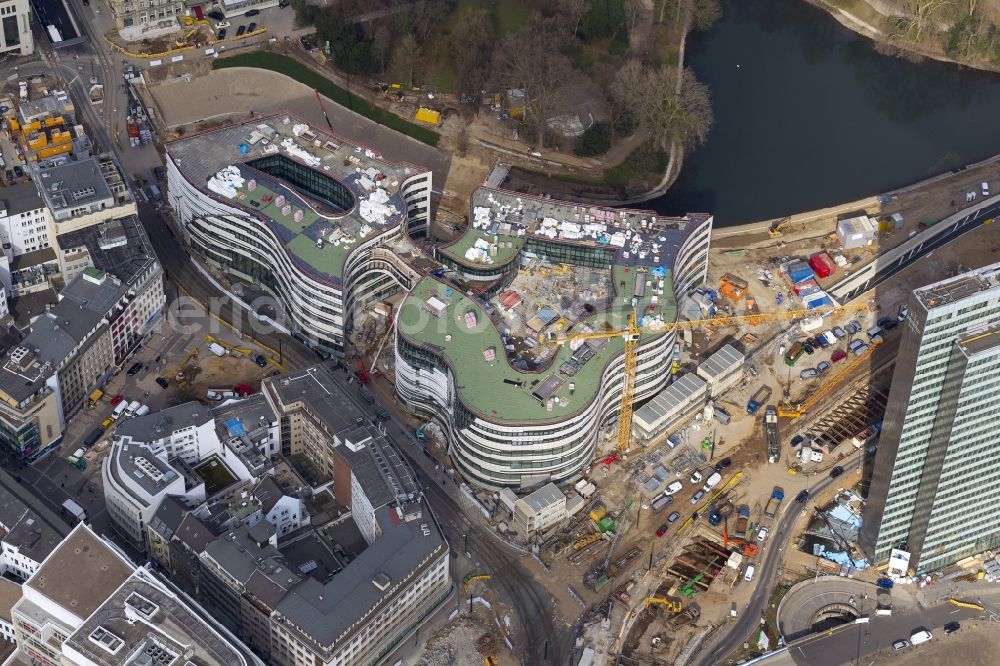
{"points": [[95, 570], [321, 394], [981, 340], [677, 393], [10, 594], [119, 246], [508, 219], [137, 464], [373, 181], [157, 425], [962, 286], [495, 389], [544, 497], [721, 362], [141, 619], [73, 184], [21, 198]]}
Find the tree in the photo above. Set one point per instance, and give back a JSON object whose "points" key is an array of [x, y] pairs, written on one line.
{"points": [[919, 17], [350, 50], [573, 11], [404, 59], [381, 44], [471, 48], [676, 108], [530, 59], [604, 18], [625, 94]]}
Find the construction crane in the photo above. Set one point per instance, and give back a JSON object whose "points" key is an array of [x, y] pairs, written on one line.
{"points": [[322, 108], [748, 548], [633, 331], [787, 410], [669, 604]]}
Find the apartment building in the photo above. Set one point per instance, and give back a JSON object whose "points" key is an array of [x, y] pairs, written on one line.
{"points": [[539, 510], [24, 220], [17, 37], [87, 605], [140, 13], [936, 479]]}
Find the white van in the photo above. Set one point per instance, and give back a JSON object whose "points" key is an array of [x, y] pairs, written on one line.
{"points": [[920, 637], [986, 188], [748, 576], [142, 411], [133, 407], [674, 487], [119, 409]]}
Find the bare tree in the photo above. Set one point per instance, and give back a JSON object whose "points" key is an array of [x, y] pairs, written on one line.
{"points": [[919, 17], [530, 60], [404, 60], [673, 106], [471, 47], [381, 43], [573, 11]]}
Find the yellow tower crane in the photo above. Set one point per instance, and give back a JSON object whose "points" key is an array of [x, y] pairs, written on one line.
{"points": [[633, 331]]}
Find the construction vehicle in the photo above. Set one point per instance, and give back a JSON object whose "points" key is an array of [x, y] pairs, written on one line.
{"points": [[687, 590], [778, 227], [793, 411], [633, 331], [748, 548], [419, 432], [758, 399], [181, 42], [742, 520], [778, 494], [771, 434], [669, 604], [598, 512], [587, 540]]}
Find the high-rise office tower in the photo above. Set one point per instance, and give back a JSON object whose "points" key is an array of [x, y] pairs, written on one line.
{"points": [[935, 491]]}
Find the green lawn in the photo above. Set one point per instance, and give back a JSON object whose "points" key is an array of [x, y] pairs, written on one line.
{"points": [[296, 70]]}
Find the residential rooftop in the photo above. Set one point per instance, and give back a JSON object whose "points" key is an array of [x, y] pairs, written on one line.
{"points": [[25, 530], [252, 165], [142, 624], [316, 389], [487, 382], [119, 246], [74, 185], [21, 198], [378, 467], [94, 567], [161, 424]]}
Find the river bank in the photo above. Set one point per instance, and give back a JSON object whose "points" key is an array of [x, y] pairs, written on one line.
{"points": [[865, 18]]}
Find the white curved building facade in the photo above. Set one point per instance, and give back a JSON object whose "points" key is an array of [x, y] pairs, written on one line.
{"points": [[493, 451], [300, 214]]}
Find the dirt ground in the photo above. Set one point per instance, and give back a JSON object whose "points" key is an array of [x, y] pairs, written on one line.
{"points": [[465, 640]]}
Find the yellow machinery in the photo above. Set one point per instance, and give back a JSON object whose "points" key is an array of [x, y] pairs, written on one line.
{"points": [[632, 333], [472, 578], [787, 410], [670, 605], [183, 41], [587, 540], [778, 226]]}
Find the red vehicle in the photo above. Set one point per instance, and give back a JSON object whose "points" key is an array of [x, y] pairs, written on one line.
{"points": [[243, 390], [838, 355], [661, 530], [115, 400]]}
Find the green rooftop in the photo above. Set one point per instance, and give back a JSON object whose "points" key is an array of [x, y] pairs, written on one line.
{"points": [[507, 247], [480, 383]]}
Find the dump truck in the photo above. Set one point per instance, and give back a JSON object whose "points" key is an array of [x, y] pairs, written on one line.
{"points": [[778, 494], [771, 434], [758, 399], [742, 521]]}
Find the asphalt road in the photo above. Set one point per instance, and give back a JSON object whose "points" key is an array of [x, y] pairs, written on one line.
{"points": [[767, 569]]}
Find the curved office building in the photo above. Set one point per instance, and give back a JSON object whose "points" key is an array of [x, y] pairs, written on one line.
{"points": [[301, 214], [515, 426]]}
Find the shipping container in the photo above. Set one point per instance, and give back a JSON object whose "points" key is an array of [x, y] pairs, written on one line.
{"points": [[793, 354]]}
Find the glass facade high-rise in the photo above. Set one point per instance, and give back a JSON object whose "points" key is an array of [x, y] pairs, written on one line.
{"points": [[936, 483]]}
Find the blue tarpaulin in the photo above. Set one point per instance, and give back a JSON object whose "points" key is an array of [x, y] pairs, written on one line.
{"points": [[235, 427]]}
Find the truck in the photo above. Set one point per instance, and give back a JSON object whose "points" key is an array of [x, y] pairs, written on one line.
{"points": [[758, 399], [75, 510], [771, 434], [778, 494], [216, 349], [793, 354], [742, 521]]}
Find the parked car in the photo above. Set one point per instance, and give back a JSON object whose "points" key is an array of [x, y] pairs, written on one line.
{"points": [[134, 370], [723, 464], [796, 440], [839, 332], [853, 327], [672, 518], [674, 488], [823, 366], [900, 645], [162, 382], [822, 341], [839, 354], [887, 323], [762, 533], [223, 24], [697, 497], [952, 627], [260, 360], [106, 423], [696, 477], [802, 496], [240, 30], [808, 373], [661, 530], [284, 3], [251, 27], [216, 15], [830, 337], [860, 348], [252, 12], [221, 34], [115, 400], [836, 471], [748, 576], [809, 349], [904, 312], [985, 187]]}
